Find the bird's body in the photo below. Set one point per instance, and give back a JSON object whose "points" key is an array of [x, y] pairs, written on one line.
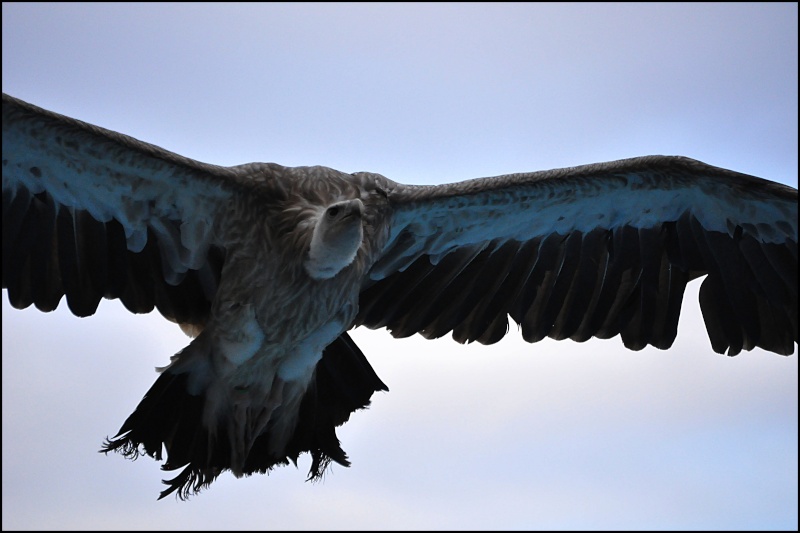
{"points": [[268, 267], [273, 314]]}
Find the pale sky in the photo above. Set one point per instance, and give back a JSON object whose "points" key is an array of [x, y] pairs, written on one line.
{"points": [[511, 436]]}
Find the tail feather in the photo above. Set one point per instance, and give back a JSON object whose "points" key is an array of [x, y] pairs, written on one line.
{"points": [[169, 417], [343, 382]]}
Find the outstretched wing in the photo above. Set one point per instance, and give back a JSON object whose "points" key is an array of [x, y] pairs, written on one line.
{"points": [[593, 251], [90, 213]]}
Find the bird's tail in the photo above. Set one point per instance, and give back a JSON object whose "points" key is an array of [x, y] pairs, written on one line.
{"points": [[171, 415]]}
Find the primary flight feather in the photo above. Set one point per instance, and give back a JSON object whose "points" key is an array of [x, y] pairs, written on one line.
{"points": [[267, 267]]}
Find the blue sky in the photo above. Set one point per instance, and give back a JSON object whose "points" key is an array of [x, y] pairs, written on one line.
{"points": [[511, 436]]}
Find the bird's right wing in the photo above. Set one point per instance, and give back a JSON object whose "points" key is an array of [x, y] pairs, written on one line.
{"points": [[91, 213]]}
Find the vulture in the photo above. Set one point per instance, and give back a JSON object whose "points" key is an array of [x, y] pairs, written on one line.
{"points": [[267, 267]]}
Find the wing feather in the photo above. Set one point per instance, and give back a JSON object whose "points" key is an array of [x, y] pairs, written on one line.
{"points": [[594, 251], [581, 293]]}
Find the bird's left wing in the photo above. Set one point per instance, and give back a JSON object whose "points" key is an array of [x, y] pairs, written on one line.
{"points": [[593, 251], [91, 213]]}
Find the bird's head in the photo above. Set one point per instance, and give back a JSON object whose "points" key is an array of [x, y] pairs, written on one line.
{"points": [[336, 238]]}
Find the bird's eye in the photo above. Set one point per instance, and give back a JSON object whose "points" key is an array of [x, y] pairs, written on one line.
{"points": [[333, 211]]}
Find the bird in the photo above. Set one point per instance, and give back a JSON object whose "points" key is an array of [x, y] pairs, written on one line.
{"points": [[266, 268]]}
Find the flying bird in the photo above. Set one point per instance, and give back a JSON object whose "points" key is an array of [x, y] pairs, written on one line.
{"points": [[267, 267]]}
